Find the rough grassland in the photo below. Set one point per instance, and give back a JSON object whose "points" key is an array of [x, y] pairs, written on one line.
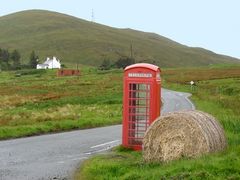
{"points": [[38, 102], [218, 93]]}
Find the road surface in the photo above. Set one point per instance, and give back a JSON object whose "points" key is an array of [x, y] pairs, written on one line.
{"points": [[175, 101], [56, 156]]}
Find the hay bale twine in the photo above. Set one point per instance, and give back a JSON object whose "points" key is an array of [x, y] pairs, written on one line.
{"points": [[182, 134]]}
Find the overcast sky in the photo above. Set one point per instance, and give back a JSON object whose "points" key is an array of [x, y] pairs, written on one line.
{"points": [[211, 24]]}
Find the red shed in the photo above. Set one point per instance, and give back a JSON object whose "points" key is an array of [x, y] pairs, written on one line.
{"points": [[68, 72], [141, 102]]}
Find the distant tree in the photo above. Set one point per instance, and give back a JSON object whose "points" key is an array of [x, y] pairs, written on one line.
{"points": [[106, 65], [4, 59], [0, 56], [0, 59], [124, 62], [5, 56], [63, 66], [15, 56], [33, 60]]}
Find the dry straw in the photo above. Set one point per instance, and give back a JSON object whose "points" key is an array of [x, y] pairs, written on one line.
{"points": [[182, 134]]}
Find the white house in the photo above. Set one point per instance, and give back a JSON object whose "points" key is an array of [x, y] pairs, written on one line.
{"points": [[53, 63]]}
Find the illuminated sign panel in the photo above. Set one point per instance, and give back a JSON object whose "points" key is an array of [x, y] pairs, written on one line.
{"points": [[144, 75]]}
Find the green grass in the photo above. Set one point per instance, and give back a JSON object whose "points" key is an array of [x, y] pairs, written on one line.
{"points": [[39, 102], [75, 41], [121, 165], [219, 97]]}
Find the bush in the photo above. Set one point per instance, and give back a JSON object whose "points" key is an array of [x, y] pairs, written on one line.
{"points": [[106, 65], [31, 72], [124, 62]]}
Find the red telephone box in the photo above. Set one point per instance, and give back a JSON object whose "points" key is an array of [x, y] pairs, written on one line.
{"points": [[141, 102]]}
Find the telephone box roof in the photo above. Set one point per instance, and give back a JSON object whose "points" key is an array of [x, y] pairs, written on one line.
{"points": [[143, 65]]}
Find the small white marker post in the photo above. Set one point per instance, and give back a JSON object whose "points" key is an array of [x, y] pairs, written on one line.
{"points": [[192, 83]]}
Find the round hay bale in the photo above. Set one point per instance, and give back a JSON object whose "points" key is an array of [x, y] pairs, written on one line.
{"points": [[182, 134]]}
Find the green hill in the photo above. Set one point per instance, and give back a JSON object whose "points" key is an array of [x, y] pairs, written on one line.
{"points": [[75, 40]]}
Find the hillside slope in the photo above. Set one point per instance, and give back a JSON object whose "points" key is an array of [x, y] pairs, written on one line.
{"points": [[74, 40]]}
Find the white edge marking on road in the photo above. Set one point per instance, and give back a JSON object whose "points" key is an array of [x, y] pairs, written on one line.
{"points": [[103, 144], [100, 150], [81, 158], [74, 159], [60, 162], [69, 156], [187, 98]]}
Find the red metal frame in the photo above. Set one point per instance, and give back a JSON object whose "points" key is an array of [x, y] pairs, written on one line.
{"points": [[141, 102]]}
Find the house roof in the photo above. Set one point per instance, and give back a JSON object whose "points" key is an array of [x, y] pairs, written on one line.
{"points": [[50, 61]]}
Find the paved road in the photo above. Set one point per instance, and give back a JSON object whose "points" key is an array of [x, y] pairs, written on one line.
{"points": [[174, 101], [56, 156]]}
